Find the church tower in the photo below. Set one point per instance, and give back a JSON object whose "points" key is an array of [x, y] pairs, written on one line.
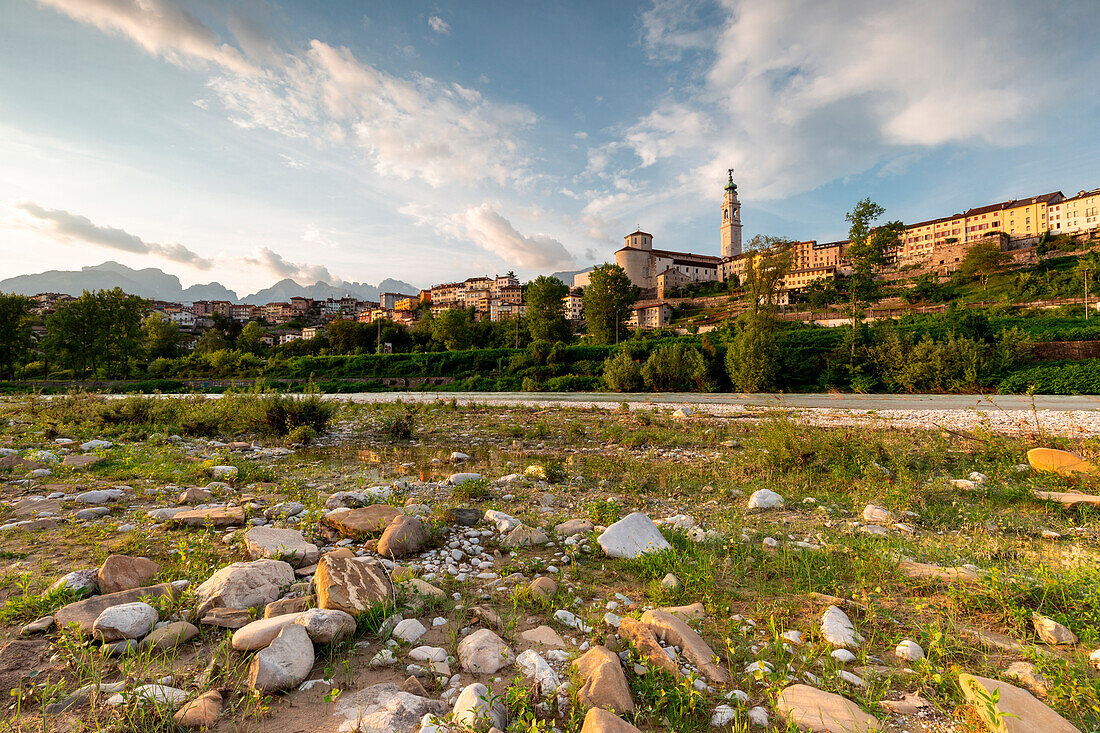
{"points": [[731, 220]]}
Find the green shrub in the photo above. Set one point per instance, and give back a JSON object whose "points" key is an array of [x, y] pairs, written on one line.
{"points": [[398, 422], [1058, 377], [674, 367], [621, 373]]}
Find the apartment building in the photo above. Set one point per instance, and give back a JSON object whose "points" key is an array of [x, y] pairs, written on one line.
{"points": [[573, 305], [1081, 213]]}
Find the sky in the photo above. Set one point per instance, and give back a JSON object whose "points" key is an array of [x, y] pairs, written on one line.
{"points": [[244, 142]]}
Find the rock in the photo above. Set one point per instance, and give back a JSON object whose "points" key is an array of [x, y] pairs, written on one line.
{"points": [[125, 621], [160, 695], [605, 684], [674, 630], [409, 630], [367, 521], [170, 635], [215, 517], [874, 514], [412, 686], [1052, 632], [823, 712], [325, 626], [910, 651], [645, 643], [261, 633], [472, 708], [286, 605], [1069, 499], [224, 473], [543, 587], [37, 626], [691, 612], [351, 584], [283, 664], [459, 456], [598, 720], [503, 522], [227, 618], [201, 713], [1018, 711], [574, 526], [524, 536], [280, 544], [765, 499], [99, 496], [460, 478], [194, 495], [483, 652], [405, 535], [681, 412], [80, 582], [1033, 680], [244, 585], [838, 630], [122, 572], [95, 445], [165, 513], [671, 582], [421, 588], [84, 613], [385, 707], [909, 704], [632, 536], [466, 516], [543, 635], [534, 666], [920, 570]]}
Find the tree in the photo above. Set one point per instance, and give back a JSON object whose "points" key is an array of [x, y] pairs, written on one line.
{"points": [[15, 331], [210, 341], [607, 301], [867, 252], [984, 258], [765, 271], [621, 373], [752, 360], [350, 337], [250, 340], [674, 367], [820, 293], [454, 328], [160, 337], [545, 313]]}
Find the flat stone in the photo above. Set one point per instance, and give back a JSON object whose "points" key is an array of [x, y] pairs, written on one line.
{"points": [[201, 713], [122, 572], [483, 652], [281, 544], [227, 618], [524, 536], [405, 535], [84, 613], [920, 570], [422, 588], [674, 630], [1031, 678], [690, 612], [261, 633], [1018, 710], [385, 707], [574, 526], [286, 605], [244, 585], [170, 635], [544, 636], [283, 664], [163, 695], [125, 621], [351, 584], [632, 536], [409, 630], [1051, 631], [37, 626], [543, 587], [874, 514], [217, 517], [605, 685], [645, 643], [823, 712], [81, 461], [194, 495], [1068, 499], [99, 496], [366, 521], [466, 516], [598, 720]]}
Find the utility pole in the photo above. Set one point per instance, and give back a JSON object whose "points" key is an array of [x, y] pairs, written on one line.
{"points": [[1085, 272]]}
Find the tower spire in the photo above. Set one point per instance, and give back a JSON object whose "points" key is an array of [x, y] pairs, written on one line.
{"points": [[731, 220]]}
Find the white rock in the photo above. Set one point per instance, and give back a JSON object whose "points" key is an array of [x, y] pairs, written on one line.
{"points": [[161, 695], [765, 499], [409, 630], [909, 650], [503, 522], [838, 630], [283, 664], [534, 666], [483, 652], [472, 708], [875, 514], [758, 716], [224, 472], [125, 621], [632, 536], [723, 715], [843, 656]]}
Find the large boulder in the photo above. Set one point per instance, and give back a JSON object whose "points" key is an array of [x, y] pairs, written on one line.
{"points": [[765, 499], [125, 621], [84, 613], [122, 572], [281, 544], [326, 625], [244, 585], [351, 584], [631, 536], [283, 664], [261, 633], [385, 707], [645, 643], [672, 629], [823, 712], [201, 713], [483, 652], [538, 669], [472, 708], [369, 520], [605, 685], [405, 535], [598, 720], [1018, 710]]}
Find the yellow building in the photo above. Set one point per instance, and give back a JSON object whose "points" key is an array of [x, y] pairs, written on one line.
{"points": [[1019, 219], [921, 238], [1078, 214]]}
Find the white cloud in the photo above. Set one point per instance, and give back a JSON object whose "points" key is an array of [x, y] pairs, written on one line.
{"points": [[160, 27], [439, 25], [299, 272], [417, 128], [671, 27], [68, 228]]}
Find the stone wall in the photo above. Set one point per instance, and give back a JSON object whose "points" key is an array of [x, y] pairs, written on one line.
{"points": [[1051, 350]]}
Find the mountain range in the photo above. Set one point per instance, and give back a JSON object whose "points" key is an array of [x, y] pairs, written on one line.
{"points": [[156, 284]]}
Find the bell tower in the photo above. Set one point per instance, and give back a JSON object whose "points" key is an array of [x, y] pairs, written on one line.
{"points": [[731, 220]]}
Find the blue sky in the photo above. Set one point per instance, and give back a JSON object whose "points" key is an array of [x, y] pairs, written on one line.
{"points": [[248, 141]]}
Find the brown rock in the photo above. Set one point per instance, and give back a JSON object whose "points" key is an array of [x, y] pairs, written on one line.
{"points": [[605, 684], [1068, 499], [202, 712], [823, 712], [598, 720], [1018, 710], [31, 507], [80, 461], [194, 495], [638, 634], [413, 687], [920, 570], [692, 612], [222, 517], [84, 613], [673, 630], [122, 572], [404, 536], [170, 636], [368, 520], [351, 584], [286, 605], [227, 618], [543, 587]]}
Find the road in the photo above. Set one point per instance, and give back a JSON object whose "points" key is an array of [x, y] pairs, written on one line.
{"points": [[877, 402]]}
